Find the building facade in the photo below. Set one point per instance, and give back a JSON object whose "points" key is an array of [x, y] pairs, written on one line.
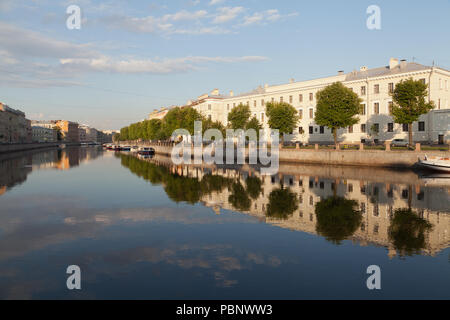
{"points": [[69, 130], [14, 127], [374, 86], [43, 134]]}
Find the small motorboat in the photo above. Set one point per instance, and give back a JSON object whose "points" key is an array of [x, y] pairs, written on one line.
{"points": [[144, 151], [435, 163], [125, 148]]}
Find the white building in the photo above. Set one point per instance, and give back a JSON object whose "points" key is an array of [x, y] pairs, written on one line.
{"points": [[372, 85]]}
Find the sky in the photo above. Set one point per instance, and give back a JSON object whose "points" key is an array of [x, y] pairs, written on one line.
{"points": [[131, 57]]}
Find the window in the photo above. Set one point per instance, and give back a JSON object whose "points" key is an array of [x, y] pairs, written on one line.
{"points": [[273, 100], [311, 97], [376, 108], [421, 126], [390, 105], [376, 128], [391, 87], [424, 81], [228, 107], [376, 89], [363, 109], [300, 130], [350, 129], [300, 114], [405, 127], [254, 103], [311, 130], [322, 129], [281, 99], [262, 102], [363, 128], [209, 107], [390, 127], [311, 113], [300, 98], [262, 117], [248, 103], [363, 90], [291, 99], [439, 104], [209, 117]]}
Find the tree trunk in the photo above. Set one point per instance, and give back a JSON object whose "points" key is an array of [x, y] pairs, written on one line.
{"points": [[335, 137], [410, 135]]}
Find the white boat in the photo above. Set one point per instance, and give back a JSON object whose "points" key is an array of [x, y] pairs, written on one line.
{"points": [[135, 149], [436, 163]]}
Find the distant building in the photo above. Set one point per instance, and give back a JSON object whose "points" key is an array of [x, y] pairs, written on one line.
{"points": [[42, 134], [82, 134], [69, 130], [159, 114], [14, 127]]}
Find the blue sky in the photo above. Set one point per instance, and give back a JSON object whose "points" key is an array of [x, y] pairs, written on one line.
{"points": [[131, 57]]}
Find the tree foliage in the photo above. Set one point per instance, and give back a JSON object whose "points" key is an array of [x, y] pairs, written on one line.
{"points": [[409, 103], [176, 118], [337, 107], [282, 116], [239, 116]]}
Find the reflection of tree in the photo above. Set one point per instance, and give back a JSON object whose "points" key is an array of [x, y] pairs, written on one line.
{"points": [[282, 203], [177, 187], [239, 198], [253, 187], [337, 218], [407, 232]]}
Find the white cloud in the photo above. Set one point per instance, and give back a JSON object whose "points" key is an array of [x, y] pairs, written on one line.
{"points": [[265, 17], [226, 14], [216, 2]]}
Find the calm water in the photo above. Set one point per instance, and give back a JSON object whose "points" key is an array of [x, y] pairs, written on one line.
{"points": [[141, 228]]}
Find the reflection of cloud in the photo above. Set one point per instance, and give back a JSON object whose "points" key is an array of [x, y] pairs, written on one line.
{"points": [[42, 221]]}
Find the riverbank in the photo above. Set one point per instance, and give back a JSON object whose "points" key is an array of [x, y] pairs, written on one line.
{"points": [[11, 148], [363, 158]]}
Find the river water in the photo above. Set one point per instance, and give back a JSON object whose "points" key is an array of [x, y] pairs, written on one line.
{"points": [[145, 229]]}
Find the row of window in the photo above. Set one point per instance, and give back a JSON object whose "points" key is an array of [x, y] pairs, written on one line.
{"points": [[363, 128]]}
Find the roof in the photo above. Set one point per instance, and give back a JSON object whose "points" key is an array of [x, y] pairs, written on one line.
{"points": [[385, 71]]}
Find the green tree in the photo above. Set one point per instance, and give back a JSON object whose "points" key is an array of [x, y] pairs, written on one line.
{"points": [[282, 203], [337, 107], [282, 116], [409, 103], [407, 232], [255, 125], [238, 116], [337, 218]]}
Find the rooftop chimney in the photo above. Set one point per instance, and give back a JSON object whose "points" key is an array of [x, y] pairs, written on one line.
{"points": [[231, 93], [215, 92], [291, 80], [403, 64], [363, 68], [393, 63], [341, 72]]}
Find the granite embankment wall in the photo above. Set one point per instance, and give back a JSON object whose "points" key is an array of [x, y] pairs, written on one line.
{"points": [[9, 148], [368, 158]]}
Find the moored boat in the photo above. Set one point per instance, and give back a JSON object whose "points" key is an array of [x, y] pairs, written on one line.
{"points": [[435, 163], [146, 151]]}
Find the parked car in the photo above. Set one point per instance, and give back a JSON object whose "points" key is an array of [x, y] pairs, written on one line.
{"points": [[399, 143]]}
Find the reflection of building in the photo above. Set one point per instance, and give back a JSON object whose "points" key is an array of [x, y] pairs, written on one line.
{"points": [[15, 171], [376, 200], [14, 127]]}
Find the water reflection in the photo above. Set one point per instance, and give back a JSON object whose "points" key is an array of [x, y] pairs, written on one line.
{"points": [[397, 210], [14, 171]]}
